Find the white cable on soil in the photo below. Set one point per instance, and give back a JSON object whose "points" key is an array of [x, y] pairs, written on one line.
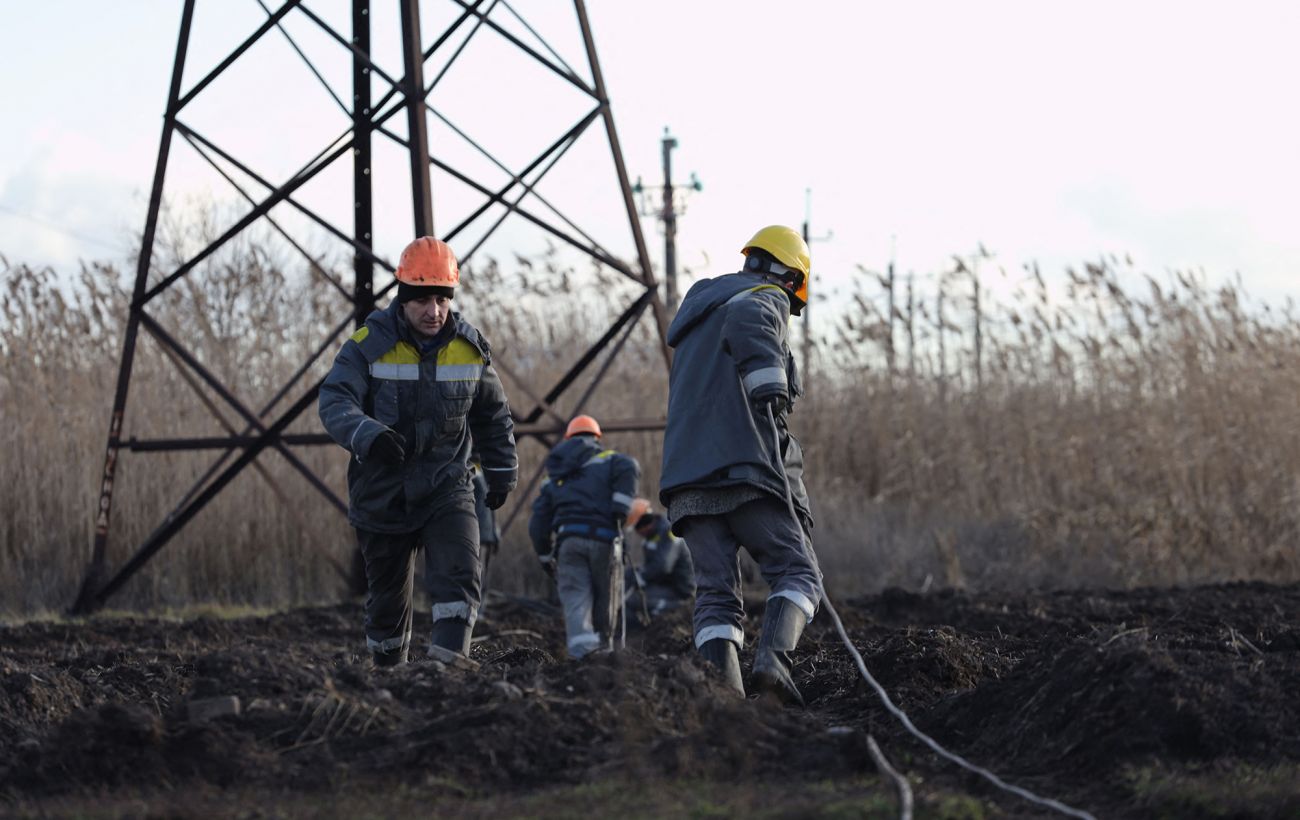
{"points": [[900, 783], [927, 740], [880, 690]]}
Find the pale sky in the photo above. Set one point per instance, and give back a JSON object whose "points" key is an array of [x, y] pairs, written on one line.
{"points": [[1166, 131]]}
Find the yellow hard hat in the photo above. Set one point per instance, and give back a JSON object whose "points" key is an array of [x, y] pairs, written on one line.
{"points": [[788, 247]]}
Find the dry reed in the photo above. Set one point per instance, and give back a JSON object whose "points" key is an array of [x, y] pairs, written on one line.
{"points": [[1092, 437]]}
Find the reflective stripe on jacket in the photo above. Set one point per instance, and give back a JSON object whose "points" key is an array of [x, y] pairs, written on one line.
{"points": [[730, 340], [586, 487], [435, 399]]}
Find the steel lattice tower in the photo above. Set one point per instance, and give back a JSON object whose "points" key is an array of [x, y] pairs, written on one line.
{"points": [[407, 95]]}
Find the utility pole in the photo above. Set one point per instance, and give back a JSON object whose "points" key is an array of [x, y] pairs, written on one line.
{"points": [[807, 310], [669, 208], [670, 226], [890, 351]]}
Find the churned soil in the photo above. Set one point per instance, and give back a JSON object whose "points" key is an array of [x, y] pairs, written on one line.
{"points": [[1182, 702]]}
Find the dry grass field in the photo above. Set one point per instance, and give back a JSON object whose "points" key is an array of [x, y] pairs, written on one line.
{"points": [[1122, 432]]}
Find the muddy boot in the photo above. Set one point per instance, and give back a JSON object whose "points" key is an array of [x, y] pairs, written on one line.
{"points": [[452, 634], [722, 653], [394, 658], [783, 623]]}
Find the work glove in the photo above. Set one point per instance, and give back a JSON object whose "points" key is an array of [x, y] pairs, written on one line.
{"points": [[775, 398], [494, 500], [389, 447], [547, 560]]}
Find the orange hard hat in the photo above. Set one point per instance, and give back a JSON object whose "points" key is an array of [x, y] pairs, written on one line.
{"points": [[582, 424], [428, 262], [640, 506]]}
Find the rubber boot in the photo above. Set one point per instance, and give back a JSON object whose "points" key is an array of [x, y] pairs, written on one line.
{"points": [[722, 653], [384, 659], [783, 623], [452, 634]]}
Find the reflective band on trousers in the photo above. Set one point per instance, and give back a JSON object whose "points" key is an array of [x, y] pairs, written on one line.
{"points": [[455, 609], [458, 372], [388, 644], [764, 375], [725, 631], [396, 372], [798, 599]]}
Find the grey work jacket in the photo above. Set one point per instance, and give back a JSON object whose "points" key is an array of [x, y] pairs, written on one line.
{"points": [[730, 338], [435, 398]]}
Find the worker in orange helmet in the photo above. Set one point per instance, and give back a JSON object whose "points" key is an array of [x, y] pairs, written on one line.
{"points": [[409, 395], [576, 529], [666, 579]]}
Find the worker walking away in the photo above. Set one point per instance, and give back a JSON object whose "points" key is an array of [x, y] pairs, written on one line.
{"points": [[732, 384], [405, 395], [666, 579], [577, 527]]}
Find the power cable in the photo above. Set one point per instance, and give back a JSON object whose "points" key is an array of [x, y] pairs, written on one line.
{"points": [[54, 226], [880, 690]]}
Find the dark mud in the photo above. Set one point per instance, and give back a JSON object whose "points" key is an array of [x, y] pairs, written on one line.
{"points": [[1100, 699]]}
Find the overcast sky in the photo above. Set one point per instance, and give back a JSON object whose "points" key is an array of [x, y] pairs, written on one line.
{"points": [[1166, 131]]}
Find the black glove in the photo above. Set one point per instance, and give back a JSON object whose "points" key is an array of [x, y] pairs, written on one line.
{"points": [[775, 399], [547, 560], [389, 447], [494, 500]]}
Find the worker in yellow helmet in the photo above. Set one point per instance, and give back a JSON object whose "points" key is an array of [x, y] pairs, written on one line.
{"points": [[404, 396], [724, 476]]}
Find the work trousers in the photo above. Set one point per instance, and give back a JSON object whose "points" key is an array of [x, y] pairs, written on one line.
{"points": [[449, 540], [773, 539], [584, 578]]}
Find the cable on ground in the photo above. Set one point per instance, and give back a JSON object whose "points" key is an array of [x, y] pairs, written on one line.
{"points": [[880, 690]]}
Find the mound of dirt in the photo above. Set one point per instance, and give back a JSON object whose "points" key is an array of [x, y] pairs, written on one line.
{"points": [[1067, 689]]}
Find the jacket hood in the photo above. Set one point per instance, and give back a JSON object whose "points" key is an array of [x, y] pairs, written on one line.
{"points": [[569, 456], [706, 296]]}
